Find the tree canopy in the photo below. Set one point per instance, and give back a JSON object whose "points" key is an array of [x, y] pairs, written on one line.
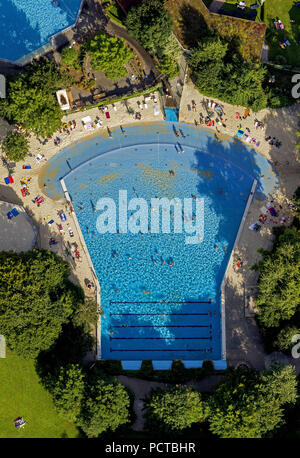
{"points": [[106, 407], [70, 57], [36, 298], [174, 409], [109, 54], [15, 146], [31, 99], [150, 24], [219, 71], [279, 294], [249, 404], [68, 391]]}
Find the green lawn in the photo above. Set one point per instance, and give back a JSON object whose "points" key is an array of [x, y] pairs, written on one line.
{"points": [[285, 11], [21, 394]]}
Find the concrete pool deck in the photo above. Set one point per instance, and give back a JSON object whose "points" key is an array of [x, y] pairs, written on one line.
{"points": [[18, 233], [243, 340]]}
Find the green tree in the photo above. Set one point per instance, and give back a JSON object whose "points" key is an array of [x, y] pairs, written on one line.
{"points": [[70, 57], [15, 146], [109, 54], [105, 408], [279, 277], [174, 409], [36, 299], [211, 48], [219, 71], [86, 314], [31, 99], [248, 405], [282, 383], [284, 338], [150, 24], [68, 391], [172, 48], [168, 66]]}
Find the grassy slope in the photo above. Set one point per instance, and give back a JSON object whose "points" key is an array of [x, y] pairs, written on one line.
{"points": [[21, 394]]}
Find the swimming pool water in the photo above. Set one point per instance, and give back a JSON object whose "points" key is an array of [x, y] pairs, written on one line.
{"points": [[171, 114], [28, 24], [153, 310]]}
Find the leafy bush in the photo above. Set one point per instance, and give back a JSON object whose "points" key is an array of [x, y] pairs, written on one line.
{"points": [[86, 84], [175, 409], [109, 54], [284, 339], [249, 404], [150, 24], [279, 295], [147, 368], [106, 407], [219, 71], [15, 146], [31, 99], [168, 66], [68, 391], [36, 299], [70, 57], [172, 48]]}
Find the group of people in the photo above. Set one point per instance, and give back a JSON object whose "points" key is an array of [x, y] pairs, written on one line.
{"points": [[273, 141]]}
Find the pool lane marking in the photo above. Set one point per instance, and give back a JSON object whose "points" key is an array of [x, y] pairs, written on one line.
{"points": [[156, 314], [170, 326], [160, 338], [161, 302], [208, 350]]}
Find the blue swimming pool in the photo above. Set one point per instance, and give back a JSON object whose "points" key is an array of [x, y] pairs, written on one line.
{"points": [[171, 114], [160, 295], [28, 24]]}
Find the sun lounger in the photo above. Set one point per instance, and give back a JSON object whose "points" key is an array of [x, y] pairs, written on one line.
{"points": [[11, 180], [50, 222], [26, 167], [10, 215], [39, 158], [6, 180], [107, 114]]}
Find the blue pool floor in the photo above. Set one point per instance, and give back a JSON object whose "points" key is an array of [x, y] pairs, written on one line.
{"points": [[152, 311]]}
